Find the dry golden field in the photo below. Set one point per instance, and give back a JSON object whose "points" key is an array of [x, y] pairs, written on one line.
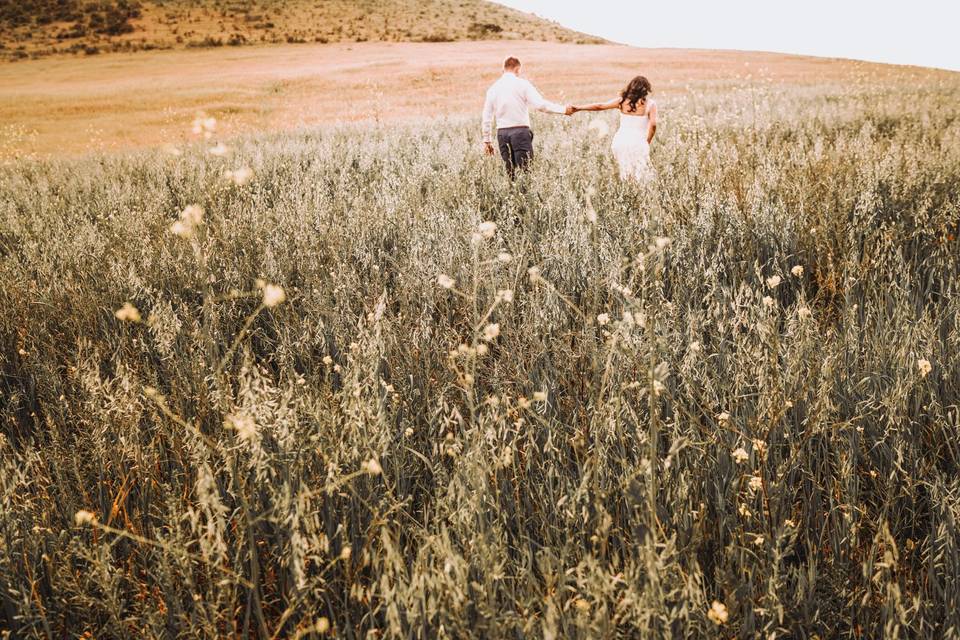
{"points": [[351, 382], [64, 105], [327, 372]]}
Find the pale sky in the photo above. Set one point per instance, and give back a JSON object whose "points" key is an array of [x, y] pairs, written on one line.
{"points": [[920, 32]]}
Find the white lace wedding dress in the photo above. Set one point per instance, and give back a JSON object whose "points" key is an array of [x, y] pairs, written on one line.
{"points": [[631, 149]]}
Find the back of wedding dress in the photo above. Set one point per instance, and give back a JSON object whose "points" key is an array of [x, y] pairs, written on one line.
{"points": [[630, 147]]}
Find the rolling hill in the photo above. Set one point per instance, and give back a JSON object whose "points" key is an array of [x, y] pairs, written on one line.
{"points": [[36, 28]]}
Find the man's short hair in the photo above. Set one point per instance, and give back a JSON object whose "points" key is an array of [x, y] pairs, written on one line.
{"points": [[511, 63]]}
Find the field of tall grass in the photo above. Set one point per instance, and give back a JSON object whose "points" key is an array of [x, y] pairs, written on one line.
{"points": [[370, 389]]}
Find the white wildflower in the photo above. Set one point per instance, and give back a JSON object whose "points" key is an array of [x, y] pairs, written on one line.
{"points": [[372, 467], [273, 295], [192, 215], [205, 126], [491, 331], [219, 150], [190, 218], [487, 229], [797, 270], [180, 229], [83, 517], [718, 613], [240, 176], [773, 282], [445, 281], [924, 366], [603, 319], [127, 313], [243, 424], [740, 455], [505, 295]]}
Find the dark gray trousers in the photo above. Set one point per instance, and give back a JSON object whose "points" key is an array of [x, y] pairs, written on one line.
{"points": [[516, 148]]}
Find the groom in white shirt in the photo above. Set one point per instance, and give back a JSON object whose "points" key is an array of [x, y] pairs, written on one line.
{"points": [[508, 102]]}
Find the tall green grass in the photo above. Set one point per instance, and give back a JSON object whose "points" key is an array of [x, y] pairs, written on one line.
{"points": [[660, 442]]}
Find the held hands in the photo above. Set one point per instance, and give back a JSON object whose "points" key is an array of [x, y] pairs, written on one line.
{"points": [[570, 110], [488, 148]]}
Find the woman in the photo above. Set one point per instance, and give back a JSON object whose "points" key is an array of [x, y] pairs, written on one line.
{"points": [[638, 125]]}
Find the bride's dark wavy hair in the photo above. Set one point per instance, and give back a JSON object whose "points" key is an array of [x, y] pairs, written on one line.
{"points": [[637, 91]]}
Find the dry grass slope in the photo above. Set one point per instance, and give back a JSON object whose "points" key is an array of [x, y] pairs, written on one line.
{"points": [[748, 431], [34, 28]]}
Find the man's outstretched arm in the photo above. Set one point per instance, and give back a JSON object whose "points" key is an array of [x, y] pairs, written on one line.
{"points": [[487, 123], [538, 102]]}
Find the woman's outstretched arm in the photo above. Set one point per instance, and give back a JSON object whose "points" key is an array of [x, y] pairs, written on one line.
{"points": [[598, 106], [652, 115]]}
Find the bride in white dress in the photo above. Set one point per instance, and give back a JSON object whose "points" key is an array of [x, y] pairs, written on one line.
{"points": [[638, 125]]}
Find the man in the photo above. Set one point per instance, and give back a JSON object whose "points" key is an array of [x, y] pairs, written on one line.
{"points": [[508, 102]]}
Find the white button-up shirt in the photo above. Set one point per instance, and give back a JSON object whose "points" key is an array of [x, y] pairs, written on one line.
{"points": [[508, 102]]}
